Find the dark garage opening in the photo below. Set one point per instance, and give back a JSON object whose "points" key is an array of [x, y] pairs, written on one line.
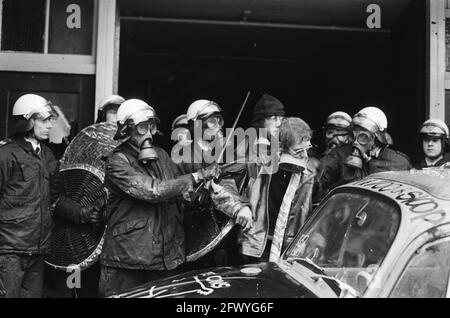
{"points": [[313, 70]]}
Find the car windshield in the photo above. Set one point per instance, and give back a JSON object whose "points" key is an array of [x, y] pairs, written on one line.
{"points": [[349, 237]]}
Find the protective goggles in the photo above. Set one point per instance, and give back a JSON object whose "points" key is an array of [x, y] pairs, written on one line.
{"points": [[300, 152], [146, 126], [214, 121], [335, 132], [363, 137]]}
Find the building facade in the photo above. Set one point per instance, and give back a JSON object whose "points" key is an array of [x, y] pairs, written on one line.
{"points": [[315, 56]]}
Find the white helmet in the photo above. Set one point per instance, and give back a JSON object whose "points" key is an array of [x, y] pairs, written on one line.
{"points": [[180, 121], [435, 127], [29, 104], [132, 112], [202, 107], [339, 119], [111, 99], [136, 110], [371, 118]]}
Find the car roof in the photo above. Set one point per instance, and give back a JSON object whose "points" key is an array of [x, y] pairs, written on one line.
{"points": [[435, 181], [422, 195]]}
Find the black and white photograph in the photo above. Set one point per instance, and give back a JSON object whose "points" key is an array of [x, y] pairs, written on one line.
{"points": [[234, 152]]}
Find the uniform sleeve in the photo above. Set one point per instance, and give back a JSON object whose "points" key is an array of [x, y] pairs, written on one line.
{"points": [[121, 175]]}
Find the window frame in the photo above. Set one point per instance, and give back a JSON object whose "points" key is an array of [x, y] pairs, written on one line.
{"points": [[49, 62]]}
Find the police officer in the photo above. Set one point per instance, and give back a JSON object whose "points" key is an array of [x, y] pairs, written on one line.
{"points": [[434, 140], [366, 155], [144, 239], [205, 122], [209, 116], [27, 167], [337, 131], [107, 109]]}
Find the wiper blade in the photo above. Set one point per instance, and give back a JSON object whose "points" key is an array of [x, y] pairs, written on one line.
{"points": [[346, 289], [305, 260]]}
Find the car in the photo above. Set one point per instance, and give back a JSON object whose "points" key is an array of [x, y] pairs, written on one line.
{"points": [[386, 235]]}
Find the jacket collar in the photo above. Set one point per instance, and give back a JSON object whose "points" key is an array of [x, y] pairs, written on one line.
{"points": [[25, 145]]}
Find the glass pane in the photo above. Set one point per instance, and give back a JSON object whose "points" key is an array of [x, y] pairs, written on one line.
{"points": [[426, 275], [71, 25], [350, 236], [23, 25]]}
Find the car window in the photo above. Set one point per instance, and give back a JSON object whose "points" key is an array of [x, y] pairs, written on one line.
{"points": [[426, 274], [349, 236]]}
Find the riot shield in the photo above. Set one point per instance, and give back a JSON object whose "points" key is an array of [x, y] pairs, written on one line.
{"points": [[82, 173], [204, 228]]}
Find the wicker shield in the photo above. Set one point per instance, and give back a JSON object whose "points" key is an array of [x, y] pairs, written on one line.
{"points": [[205, 229], [82, 172]]}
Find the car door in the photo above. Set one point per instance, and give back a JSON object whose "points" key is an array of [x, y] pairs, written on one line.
{"points": [[427, 272]]}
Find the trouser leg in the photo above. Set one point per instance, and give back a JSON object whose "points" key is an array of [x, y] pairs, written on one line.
{"points": [[11, 275], [116, 280], [33, 280]]}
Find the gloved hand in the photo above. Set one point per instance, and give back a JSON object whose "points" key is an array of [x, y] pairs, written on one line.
{"points": [[91, 214], [210, 172], [72, 211]]}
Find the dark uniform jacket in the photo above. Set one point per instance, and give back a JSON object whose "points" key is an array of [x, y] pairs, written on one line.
{"points": [[333, 172], [423, 163], [25, 198], [144, 215]]}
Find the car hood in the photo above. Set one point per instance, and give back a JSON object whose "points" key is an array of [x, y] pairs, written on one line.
{"points": [[265, 280]]}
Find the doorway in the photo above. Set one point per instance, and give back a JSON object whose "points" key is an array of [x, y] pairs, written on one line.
{"points": [[312, 70]]}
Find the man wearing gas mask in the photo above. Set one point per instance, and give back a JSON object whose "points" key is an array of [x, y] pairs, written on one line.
{"points": [[205, 124], [281, 201], [208, 115], [337, 131], [144, 239], [27, 191], [434, 142], [366, 155]]}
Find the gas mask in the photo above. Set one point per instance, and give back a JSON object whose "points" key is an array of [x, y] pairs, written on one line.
{"points": [[363, 144], [142, 137], [213, 137], [335, 137], [182, 136]]}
